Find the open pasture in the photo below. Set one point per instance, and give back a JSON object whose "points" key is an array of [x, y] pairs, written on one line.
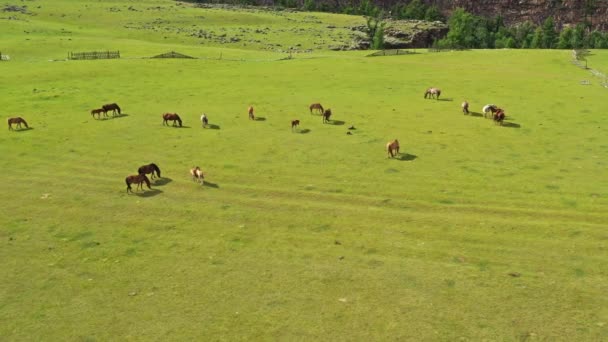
{"points": [[475, 231]]}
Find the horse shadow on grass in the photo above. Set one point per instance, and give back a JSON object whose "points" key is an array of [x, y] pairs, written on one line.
{"points": [[303, 131], [148, 193], [405, 157], [111, 117], [212, 126], [260, 118], [336, 122], [446, 99], [211, 185], [475, 114], [511, 125], [162, 181]]}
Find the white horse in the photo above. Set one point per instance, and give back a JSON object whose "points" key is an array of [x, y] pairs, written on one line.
{"points": [[432, 93], [489, 108], [465, 107], [197, 175], [204, 120]]}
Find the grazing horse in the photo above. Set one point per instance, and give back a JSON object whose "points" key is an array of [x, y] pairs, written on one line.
{"points": [[197, 175], [465, 107], [204, 120], [250, 113], [111, 107], [139, 180], [499, 116], [150, 168], [432, 93], [392, 147], [98, 112], [489, 108], [17, 121], [294, 124], [326, 115], [171, 117], [316, 107]]}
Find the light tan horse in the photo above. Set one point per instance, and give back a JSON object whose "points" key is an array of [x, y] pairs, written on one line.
{"points": [[392, 147], [250, 112], [465, 107], [432, 93], [316, 107], [17, 121], [197, 175]]}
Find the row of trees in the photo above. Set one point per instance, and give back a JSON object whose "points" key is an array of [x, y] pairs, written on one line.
{"points": [[470, 31]]}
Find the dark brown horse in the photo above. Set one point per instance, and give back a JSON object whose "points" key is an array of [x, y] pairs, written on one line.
{"points": [[316, 107], [17, 121], [98, 112], [111, 107], [171, 117], [432, 93], [150, 168], [499, 116], [489, 108], [137, 179], [392, 147], [294, 124], [250, 113], [326, 115]]}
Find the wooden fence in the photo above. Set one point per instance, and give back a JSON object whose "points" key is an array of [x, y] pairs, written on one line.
{"points": [[391, 52], [94, 55]]}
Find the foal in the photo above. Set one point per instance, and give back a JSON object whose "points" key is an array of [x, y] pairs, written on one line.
{"points": [[294, 124]]}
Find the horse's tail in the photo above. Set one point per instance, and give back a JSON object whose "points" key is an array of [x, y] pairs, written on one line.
{"points": [[156, 168], [128, 184]]}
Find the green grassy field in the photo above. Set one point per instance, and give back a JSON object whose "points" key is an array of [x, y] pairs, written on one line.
{"points": [[476, 232]]}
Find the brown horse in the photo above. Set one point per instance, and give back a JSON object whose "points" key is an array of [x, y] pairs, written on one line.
{"points": [[137, 179], [465, 107], [432, 93], [98, 112], [111, 107], [326, 115], [294, 124], [392, 147], [316, 107], [171, 117], [499, 116], [150, 168], [197, 175], [250, 113], [17, 121], [489, 108]]}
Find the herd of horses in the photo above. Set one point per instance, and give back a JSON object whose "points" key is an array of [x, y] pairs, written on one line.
{"points": [[141, 178]]}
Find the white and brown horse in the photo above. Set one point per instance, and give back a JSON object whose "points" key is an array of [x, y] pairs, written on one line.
{"points": [[432, 93], [197, 175]]}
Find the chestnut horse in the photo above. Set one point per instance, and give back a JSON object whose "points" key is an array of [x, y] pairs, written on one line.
{"points": [[111, 107], [139, 180], [489, 108], [392, 147], [294, 124], [316, 107], [171, 117], [499, 116], [98, 112], [197, 175], [465, 107], [326, 115], [17, 121], [150, 168], [432, 93], [250, 113]]}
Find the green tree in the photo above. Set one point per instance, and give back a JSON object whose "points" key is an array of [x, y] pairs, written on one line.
{"points": [[524, 33], [549, 38], [565, 39], [462, 27], [433, 14], [537, 39], [577, 40], [375, 30], [414, 10]]}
